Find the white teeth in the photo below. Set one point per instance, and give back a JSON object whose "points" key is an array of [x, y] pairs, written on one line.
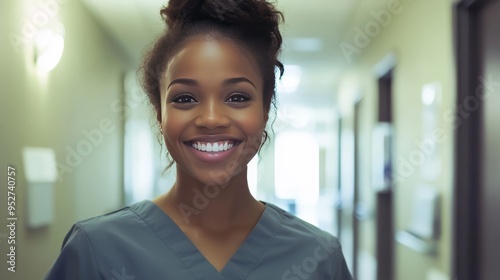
{"points": [[213, 147]]}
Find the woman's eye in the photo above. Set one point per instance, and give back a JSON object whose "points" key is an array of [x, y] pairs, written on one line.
{"points": [[238, 98], [184, 99]]}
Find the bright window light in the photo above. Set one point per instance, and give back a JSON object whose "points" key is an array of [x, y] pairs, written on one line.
{"points": [[139, 168], [290, 81], [252, 175], [297, 167]]}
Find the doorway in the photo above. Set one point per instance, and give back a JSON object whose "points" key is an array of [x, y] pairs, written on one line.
{"points": [[384, 195]]}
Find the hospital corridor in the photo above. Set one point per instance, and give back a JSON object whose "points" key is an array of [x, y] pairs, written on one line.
{"points": [[385, 132]]}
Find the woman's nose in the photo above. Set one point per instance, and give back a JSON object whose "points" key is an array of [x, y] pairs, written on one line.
{"points": [[212, 115]]}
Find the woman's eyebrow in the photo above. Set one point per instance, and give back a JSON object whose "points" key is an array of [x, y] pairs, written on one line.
{"points": [[232, 81], [188, 82], [226, 82]]}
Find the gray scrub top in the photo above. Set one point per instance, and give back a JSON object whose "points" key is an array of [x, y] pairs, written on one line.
{"points": [[141, 242]]}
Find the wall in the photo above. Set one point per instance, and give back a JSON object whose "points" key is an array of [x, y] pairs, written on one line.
{"points": [[57, 110], [420, 35]]}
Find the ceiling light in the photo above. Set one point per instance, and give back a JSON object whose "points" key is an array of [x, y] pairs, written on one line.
{"points": [[306, 44]]}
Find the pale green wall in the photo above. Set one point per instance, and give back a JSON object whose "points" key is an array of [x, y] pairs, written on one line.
{"points": [[53, 111], [421, 37]]}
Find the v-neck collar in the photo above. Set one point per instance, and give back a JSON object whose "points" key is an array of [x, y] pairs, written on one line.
{"points": [[239, 265]]}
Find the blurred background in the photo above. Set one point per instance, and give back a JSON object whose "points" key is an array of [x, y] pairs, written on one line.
{"points": [[382, 134]]}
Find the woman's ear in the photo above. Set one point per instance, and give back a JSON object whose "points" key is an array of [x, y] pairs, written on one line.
{"points": [[158, 116], [266, 118]]}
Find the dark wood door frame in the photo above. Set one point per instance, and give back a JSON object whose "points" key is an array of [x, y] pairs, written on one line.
{"points": [[465, 263], [355, 224], [338, 203]]}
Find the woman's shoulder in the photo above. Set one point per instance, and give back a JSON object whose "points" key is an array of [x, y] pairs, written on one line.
{"points": [[306, 251], [126, 219], [95, 247], [296, 229]]}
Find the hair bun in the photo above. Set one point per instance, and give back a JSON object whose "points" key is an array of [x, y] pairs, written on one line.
{"points": [[258, 14]]}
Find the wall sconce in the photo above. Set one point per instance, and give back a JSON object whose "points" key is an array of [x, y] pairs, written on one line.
{"points": [[49, 47]]}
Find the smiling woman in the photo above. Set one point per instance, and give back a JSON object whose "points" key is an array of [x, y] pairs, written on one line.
{"points": [[211, 81]]}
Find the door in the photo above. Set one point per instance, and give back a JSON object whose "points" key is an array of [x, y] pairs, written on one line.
{"points": [[477, 200], [489, 196]]}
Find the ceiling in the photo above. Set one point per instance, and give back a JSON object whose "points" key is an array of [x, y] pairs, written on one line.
{"points": [[313, 31]]}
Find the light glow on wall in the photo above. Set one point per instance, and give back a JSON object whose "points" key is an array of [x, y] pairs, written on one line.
{"points": [[139, 169], [49, 47]]}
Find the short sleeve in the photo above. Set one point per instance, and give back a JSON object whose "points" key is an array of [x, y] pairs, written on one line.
{"points": [[76, 260], [341, 271]]}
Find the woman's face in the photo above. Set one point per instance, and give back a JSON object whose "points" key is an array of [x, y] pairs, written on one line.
{"points": [[212, 111]]}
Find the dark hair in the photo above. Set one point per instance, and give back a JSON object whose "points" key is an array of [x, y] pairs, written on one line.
{"points": [[252, 24]]}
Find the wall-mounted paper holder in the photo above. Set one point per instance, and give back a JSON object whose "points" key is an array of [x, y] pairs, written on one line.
{"points": [[40, 168], [422, 233], [416, 243]]}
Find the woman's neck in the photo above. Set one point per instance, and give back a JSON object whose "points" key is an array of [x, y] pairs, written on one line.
{"points": [[219, 206]]}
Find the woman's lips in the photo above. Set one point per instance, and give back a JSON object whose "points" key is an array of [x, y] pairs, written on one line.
{"points": [[210, 147], [212, 151]]}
